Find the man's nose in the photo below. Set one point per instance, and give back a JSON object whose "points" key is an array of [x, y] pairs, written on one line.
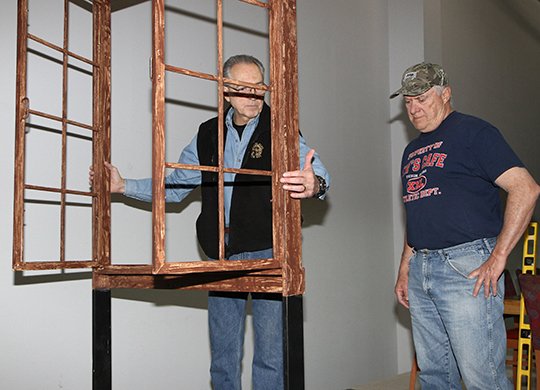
{"points": [[413, 106], [254, 94]]}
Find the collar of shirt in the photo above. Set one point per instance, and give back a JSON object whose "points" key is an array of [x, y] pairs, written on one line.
{"points": [[235, 147]]}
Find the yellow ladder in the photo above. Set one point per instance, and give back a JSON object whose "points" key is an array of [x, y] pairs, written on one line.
{"points": [[524, 341]]}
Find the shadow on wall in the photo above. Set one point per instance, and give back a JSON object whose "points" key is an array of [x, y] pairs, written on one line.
{"points": [[117, 5], [314, 211], [402, 118], [191, 299], [20, 279], [525, 13], [401, 313], [403, 316]]}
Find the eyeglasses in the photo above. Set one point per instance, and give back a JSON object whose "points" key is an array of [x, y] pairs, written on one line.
{"points": [[241, 90]]}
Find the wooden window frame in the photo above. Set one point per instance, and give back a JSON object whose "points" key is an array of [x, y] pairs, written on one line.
{"points": [[283, 274]]}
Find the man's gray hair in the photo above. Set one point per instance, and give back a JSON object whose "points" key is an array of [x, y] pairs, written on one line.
{"points": [[241, 59], [439, 90]]}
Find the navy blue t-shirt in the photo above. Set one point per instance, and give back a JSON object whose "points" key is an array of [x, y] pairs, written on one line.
{"points": [[448, 178]]}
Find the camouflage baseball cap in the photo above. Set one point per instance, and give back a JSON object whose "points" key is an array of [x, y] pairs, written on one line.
{"points": [[419, 78]]}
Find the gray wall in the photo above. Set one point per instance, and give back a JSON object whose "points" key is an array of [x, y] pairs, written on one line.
{"points": [[344, 112], [406, 47], [351, 55]]}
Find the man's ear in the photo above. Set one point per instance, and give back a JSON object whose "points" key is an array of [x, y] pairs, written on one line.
{"points": [[226, 94], [447, 94]]}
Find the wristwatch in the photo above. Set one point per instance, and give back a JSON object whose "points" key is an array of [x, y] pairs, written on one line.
{"points": [[322, 187]]}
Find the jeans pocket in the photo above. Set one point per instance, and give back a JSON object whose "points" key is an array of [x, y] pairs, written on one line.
{"points": [[466, 262], [412, 260]]}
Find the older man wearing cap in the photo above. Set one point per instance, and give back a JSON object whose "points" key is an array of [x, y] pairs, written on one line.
{"points": [[457, 241]]}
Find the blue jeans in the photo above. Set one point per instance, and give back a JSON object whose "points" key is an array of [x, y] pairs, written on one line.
{"points": [[456, 336], [226, 321]]}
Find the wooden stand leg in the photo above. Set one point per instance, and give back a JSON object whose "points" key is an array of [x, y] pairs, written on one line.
{"points": [[414, 373], [293, 342], [101, 340]]}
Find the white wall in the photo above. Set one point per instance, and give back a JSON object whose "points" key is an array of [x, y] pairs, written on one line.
{"points": [[350, 322], [351, 55]]}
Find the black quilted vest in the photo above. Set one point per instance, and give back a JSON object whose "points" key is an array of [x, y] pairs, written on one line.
{"points": [[250, 222]]}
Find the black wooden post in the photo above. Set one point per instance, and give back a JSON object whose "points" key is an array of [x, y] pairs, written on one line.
{"points": [[101, 340], [293, 342]]}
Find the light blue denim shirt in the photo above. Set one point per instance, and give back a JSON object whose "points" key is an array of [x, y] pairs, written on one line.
{"points": [[181, 182]]}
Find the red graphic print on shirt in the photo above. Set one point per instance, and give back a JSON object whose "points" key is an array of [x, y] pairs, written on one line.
{"points": [[414, 171]]}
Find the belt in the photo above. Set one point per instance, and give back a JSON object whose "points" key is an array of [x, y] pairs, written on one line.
{"points": [[488, 243]]}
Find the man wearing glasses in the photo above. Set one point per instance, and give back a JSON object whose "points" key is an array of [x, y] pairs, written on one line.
{"points": [[248, 220]]}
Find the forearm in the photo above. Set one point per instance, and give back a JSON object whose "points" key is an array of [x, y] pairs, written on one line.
{"points": [[519, 209], [405, 259], [517, 215], [174, 191], [402, 283], [140, 189]]}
